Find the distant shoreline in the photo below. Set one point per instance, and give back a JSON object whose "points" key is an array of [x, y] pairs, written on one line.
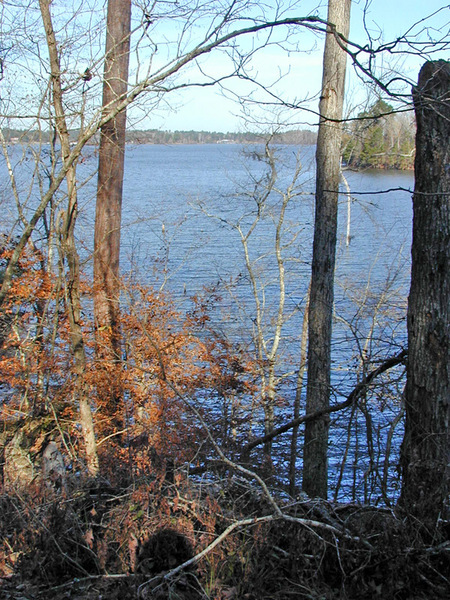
{"points": [[155, 137], [152, 136]]}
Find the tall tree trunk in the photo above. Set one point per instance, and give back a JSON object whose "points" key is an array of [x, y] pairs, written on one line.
{"points": [[426, 445], [69, 251], [109, 202], [315, 457]]}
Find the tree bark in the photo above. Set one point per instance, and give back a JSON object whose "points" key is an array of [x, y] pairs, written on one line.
{"points": [[315, 459], [426, 445], [109, 199]]}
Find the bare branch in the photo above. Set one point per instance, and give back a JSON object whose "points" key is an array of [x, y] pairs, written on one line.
{"points": [[351, 399]]}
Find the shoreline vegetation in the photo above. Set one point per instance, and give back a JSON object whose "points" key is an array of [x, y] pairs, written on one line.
{"points": [[380, 138]]}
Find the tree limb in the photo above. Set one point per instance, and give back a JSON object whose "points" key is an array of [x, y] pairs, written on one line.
{"points": [[351, 399]]}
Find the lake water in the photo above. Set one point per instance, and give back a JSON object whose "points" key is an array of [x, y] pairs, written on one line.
{"points": [[182, 205], [181, 208], [164, 184]]}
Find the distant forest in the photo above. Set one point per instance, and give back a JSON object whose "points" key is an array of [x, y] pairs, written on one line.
{"points": [[155, 136]]}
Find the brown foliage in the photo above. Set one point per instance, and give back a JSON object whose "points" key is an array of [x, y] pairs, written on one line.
{"points": [[165, 357]]}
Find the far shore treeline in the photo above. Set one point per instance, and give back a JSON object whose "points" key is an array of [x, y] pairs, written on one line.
{"points": [[380, 138], [155, 136]]}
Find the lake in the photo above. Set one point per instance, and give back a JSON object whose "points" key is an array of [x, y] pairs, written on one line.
{"points": [[182, 205], [164, 185], [182, 208]]}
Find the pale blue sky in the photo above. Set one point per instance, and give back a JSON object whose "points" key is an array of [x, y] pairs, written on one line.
{"points": [[293, 73], [386, 20]]}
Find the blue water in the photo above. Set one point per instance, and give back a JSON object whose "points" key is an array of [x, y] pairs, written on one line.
{"points": [[181, 203], [181, 207]]}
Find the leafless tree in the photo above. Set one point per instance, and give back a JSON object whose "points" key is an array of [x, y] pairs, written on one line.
{"points": [[68, 246], [269, 200], [328, 157], [108, 214]]}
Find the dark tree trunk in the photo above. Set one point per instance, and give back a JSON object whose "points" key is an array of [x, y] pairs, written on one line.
{"points": [[109, 198], [426, 446], [315, 459]]}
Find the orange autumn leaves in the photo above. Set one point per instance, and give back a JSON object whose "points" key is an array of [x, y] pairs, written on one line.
{"points": [[166, 357]]}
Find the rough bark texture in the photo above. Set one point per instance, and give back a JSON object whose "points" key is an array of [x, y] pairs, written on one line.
{"points": [[315, 462], [108, 214], [426, 446], [110, 175]]}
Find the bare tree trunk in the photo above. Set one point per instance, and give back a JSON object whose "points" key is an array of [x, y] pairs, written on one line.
{"points": [[315, 459], [109, 199], [69, 251], [426, 445]]}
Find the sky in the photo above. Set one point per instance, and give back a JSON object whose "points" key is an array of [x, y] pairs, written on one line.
{"points": [[213, 109], [292, 72]]}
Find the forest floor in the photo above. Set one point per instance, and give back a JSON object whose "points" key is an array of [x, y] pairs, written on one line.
{"points": [[235, 541]]}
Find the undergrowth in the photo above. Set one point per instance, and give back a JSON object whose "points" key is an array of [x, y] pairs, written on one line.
{"points": [[97, 541]]}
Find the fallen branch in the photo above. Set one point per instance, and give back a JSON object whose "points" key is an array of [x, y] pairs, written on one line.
{"points": [[277, 515]]}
